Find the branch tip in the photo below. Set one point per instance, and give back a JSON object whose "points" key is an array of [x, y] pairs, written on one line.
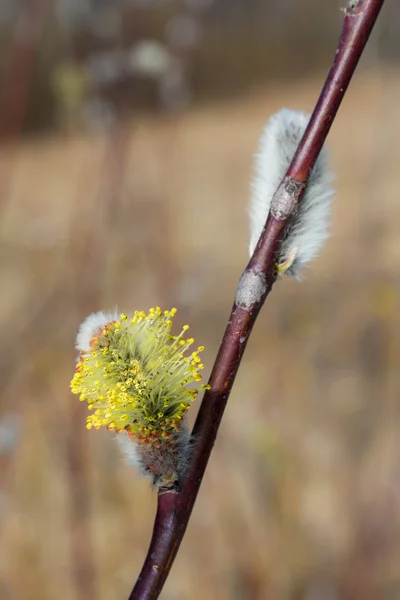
{"points": [[352, 7]]}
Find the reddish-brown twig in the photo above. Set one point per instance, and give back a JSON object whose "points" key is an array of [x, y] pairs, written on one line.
{"points": [[175, 507]]}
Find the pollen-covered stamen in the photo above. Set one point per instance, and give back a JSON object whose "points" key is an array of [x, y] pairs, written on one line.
{"points": [[135, 375]]}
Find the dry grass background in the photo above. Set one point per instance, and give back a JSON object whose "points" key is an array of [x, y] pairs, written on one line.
{"points": [[301, 499]]}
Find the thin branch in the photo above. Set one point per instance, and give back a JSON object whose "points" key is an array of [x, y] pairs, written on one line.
{"points": [[175, 507]]}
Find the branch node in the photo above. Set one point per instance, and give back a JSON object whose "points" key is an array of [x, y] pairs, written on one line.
{"points": [[251, 289], [286, 198]]}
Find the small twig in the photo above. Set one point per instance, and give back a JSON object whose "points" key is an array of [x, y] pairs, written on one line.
{"points": [[175, 507]]}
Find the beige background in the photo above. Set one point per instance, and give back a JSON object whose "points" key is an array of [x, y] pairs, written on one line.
{"points": [[301, 498]]}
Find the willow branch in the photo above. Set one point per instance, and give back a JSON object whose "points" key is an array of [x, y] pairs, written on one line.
{"points": [[175, 507]]}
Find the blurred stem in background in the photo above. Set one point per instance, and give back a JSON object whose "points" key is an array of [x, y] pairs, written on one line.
{"points": [[23, 52], [17, 78]]}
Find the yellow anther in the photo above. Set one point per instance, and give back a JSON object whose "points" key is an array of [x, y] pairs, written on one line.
{"points": [[128, 393]]}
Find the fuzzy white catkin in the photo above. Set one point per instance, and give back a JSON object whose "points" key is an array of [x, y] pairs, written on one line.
{"points": [[93, 324], [170, 460], [310, 226], [129, 451]]}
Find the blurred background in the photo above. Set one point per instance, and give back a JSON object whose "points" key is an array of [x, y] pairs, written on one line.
{"points": [[127, 131]]}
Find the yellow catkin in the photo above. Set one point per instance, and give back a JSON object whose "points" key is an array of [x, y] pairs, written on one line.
{"points": [[135, 376]]}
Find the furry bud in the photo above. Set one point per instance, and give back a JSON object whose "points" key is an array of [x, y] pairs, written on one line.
{"points": [[309, 228]]}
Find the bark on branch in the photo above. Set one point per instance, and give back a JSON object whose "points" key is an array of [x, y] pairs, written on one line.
{"points": [[175, 507]]}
